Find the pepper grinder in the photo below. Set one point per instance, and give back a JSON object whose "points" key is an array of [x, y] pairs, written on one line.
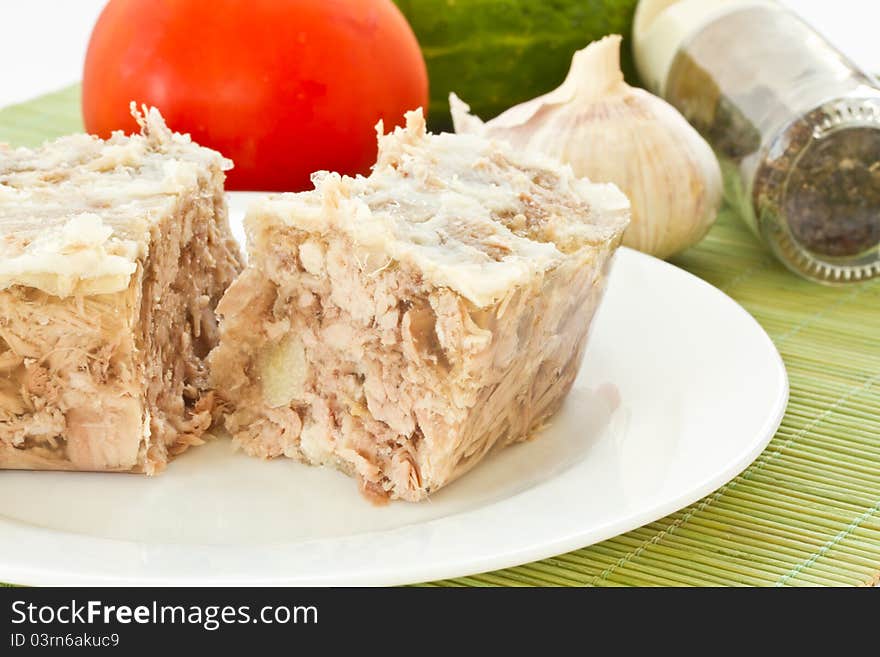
{"points": [[795, 125]]}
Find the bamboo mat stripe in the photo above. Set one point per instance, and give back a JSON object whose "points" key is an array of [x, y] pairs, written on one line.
{"points": [[805, 513]]}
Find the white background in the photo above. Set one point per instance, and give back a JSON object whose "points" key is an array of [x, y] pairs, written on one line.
{"points": [[43, 42]]}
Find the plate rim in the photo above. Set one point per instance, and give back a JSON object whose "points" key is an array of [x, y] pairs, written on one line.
{"points": [[411, 571]]}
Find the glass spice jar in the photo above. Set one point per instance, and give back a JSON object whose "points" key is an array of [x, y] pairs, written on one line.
{"points": [[795, 125]]}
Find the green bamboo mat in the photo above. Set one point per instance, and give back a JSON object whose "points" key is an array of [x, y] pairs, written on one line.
{"points": [[806, 512]]}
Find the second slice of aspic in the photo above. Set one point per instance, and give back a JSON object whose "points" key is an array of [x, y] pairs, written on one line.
{"points": [[400, 326]]}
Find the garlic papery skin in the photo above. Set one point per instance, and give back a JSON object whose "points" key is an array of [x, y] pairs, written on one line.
{"points": [[611, 132]]}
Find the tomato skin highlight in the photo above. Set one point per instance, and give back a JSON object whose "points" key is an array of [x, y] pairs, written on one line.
{"points": [[282, 87]]}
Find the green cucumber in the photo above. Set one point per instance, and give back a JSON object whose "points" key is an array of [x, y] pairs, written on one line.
{"points": [[497, 53]]}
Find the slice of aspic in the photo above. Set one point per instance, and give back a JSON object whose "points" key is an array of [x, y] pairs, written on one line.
{"points": [[400, 326], [113, 256]]}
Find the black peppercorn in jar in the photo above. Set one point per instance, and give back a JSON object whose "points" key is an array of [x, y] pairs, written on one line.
{"points": [[795, 125]]}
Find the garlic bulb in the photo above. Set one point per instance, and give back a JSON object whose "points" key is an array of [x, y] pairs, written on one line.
{"points": [[611, 132]]}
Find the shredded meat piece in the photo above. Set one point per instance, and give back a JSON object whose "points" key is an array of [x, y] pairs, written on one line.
{"points": [[399, 327], [110, 375]]}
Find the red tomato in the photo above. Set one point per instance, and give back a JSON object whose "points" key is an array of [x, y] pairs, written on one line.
{"points": [[282, 87]]}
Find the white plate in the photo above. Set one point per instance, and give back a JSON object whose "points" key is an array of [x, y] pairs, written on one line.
{"points": [[680, 390]]}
